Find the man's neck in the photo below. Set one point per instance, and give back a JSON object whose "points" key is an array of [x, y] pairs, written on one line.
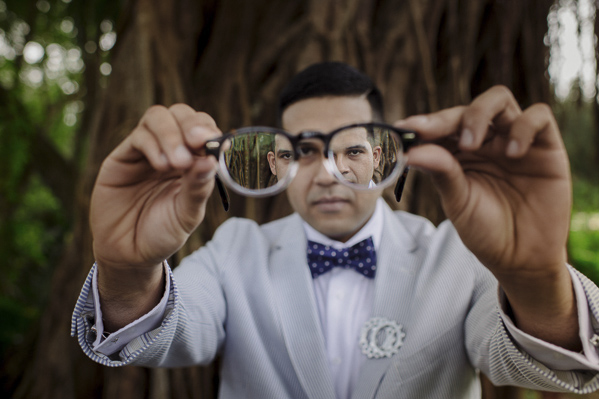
{"points": [[372, 228]]}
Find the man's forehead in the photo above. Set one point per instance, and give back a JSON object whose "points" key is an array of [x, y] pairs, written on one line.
{"points": [[282, 141], [325, 114]]}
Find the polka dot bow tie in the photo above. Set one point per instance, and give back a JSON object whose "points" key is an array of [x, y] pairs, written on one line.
{"points": [[361, 257]]}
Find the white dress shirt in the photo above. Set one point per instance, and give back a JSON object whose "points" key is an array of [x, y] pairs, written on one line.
{"points": [[344, 298]]}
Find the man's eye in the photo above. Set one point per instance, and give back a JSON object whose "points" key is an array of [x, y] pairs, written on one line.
{"points": [[306, 150], [355, 152], [286, 156]]}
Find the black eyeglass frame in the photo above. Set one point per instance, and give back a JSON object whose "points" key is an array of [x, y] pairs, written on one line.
{"points": [[213, 147]]}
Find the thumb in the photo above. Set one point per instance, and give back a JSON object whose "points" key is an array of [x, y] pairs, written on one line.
{"points": [[446, 172]]}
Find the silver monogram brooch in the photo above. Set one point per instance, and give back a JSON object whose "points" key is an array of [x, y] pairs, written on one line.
{"points": [[381, 337]]}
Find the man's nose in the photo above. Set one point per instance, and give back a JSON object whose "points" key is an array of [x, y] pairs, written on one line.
{"points": [[342, 165], [323, 177]]}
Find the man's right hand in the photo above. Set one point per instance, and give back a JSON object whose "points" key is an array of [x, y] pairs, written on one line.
{"points": [[151, 192], [150, 195]]}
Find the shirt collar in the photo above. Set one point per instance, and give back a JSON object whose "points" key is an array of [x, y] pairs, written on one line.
{"points": [[374, 228]]}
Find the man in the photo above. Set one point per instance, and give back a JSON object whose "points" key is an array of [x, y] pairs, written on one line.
{"points": [[431, 316]]}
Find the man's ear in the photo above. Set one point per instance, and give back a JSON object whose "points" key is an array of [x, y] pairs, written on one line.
{"points": [[376, 156], [271, 162]]}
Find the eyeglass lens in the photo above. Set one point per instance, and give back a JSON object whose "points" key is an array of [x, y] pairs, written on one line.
{"points": [[251, 159], [365, 157], [263, 162]]}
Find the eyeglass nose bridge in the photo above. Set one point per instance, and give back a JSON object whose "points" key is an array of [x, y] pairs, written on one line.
{"points": [[327, 161], [311, 134]]}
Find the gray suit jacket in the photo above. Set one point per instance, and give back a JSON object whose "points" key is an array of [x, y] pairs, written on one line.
{"points": [[248, 297]]}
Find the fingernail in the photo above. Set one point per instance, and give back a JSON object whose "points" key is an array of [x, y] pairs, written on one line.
{"points": [[512, 148], [466, 138], [181, 154]]}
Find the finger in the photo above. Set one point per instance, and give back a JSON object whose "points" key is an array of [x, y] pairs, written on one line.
{"points": [[495, 107], [436, 125], [197, 185], [447, 174], [537, 126], [197, 127], [147, 145], [161, 123], [139, 145]]}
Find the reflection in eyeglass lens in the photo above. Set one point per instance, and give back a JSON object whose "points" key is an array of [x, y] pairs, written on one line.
{"points": [[365, 156], [258, 160], [391, 151]]}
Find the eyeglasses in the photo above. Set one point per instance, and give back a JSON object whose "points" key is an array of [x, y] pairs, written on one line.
{"points": [[262, 161]]}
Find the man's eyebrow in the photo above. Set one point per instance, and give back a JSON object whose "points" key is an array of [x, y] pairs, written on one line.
{"points": [[350, 148], [355, 147]]}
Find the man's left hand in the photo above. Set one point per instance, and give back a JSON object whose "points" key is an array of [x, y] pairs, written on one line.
{"points": [[505, 184]]}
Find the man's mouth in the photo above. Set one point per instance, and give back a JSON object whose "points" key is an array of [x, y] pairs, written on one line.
{"points": [[330, 203], [329, 199]]}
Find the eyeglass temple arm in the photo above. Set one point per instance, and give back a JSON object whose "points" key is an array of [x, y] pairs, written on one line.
{"points": [[212, 148], [401, 182], [409, 139], [222, 191]]}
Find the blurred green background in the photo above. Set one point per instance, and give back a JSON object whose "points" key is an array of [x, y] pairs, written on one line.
{"points": [[51, 50], [43, 59]]}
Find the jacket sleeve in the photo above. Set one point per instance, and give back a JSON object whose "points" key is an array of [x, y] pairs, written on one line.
{"points": [[87, 329], [192, 330], [504, 358]]}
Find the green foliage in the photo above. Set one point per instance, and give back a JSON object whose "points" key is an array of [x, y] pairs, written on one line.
{"points": [[586, 194], [583, 247], [36, 229], [578, 129], [45, 48], [575, 119], [16, 318]]}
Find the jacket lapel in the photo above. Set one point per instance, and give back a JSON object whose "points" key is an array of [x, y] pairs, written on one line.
{"points": [[398, 260], [294, 294]]}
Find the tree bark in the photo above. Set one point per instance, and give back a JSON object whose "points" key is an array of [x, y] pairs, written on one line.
{"points": [[230, 59]]}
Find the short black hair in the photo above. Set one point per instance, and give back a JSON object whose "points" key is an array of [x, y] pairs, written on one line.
{"points": [[331, 79]]}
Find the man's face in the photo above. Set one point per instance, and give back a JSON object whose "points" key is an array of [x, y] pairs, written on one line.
{"points": [[331, 208], [354, 156]]}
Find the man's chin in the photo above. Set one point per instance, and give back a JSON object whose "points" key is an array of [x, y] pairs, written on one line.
{"points": [[337, 231]]}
